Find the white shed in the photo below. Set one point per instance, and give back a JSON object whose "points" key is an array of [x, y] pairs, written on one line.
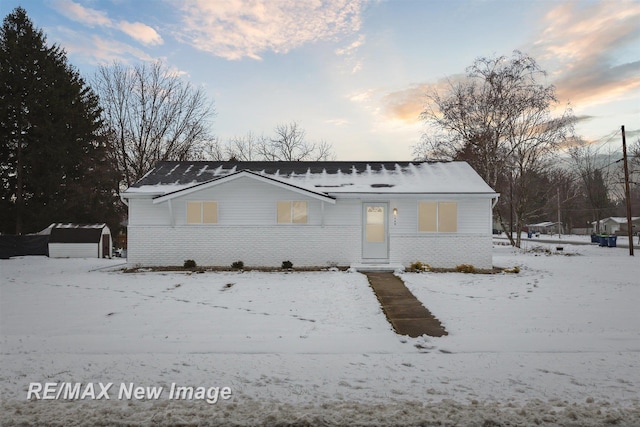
{"points": [[80, 241]]}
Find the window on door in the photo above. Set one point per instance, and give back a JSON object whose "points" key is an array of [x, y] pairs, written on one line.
{"points": [[375, 224]]}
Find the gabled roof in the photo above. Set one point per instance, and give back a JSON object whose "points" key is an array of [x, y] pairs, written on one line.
{"points": [[248, 174], [325, 178], [543, 224], [617, 219]]}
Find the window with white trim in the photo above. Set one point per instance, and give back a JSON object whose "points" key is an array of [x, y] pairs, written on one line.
{"points": [[438, 217], [202, 212], [292, 212]]}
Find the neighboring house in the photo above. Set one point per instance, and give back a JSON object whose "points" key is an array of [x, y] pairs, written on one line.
{"points": [[616, 224], [546, 227], [79, 241], [310, 213]]}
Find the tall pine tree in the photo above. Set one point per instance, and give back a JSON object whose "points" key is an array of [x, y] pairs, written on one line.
{"points": [[53, 158]]}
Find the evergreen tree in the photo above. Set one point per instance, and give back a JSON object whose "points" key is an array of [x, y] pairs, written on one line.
{"points": [[53, 159]]}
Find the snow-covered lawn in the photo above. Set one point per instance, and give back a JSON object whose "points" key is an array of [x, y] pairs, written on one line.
{"points": [[558, 343]]}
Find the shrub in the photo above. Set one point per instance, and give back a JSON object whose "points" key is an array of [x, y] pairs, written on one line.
{"points": [[515, 270], [465, 268], [189, 263], [237, 265], [287, 265], [419, 267]]}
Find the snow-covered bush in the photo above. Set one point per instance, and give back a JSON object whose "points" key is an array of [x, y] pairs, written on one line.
{"points": [[465, 268], [419, 267]]}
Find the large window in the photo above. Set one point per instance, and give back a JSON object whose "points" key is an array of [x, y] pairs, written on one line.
{"points": [[438, 217], [292, 212], [202, 212]]}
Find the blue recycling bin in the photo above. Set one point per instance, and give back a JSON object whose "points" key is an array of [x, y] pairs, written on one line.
{"points": [[595, 238], [611, 241], [603, 240], [529, 234]]}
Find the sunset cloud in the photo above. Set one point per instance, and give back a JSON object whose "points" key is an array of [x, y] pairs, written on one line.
{"points": [[407, 104], [337, 122], [578, 46], [237, 29], [84, 15], [140, 32], [351, 48], [91, 18], [99, 50], [583, 42]]}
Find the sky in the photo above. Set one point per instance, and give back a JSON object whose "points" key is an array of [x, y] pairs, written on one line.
{"points": [[354, 73]]}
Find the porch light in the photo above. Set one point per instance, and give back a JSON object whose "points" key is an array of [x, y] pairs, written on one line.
{"points": [[395, 215]]}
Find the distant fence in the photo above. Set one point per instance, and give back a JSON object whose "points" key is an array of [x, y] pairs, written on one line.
{"points": [[582, 231], [23, 245]]}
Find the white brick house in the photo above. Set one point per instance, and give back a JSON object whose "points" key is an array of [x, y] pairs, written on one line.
{"points": [[310, 213]]}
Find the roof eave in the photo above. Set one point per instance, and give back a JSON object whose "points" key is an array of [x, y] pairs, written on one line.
{"points": [[142, 194], [412, 195]]}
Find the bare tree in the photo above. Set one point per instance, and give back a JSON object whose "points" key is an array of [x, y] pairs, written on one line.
{"points": [[151, 114], [499, 120], [562, 184], [213, 151], [595, 177], [244, 148], [289, 143]]}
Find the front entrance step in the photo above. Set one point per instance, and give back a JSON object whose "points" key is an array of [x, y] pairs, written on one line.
{"points": [[377, 267], [404, 311]]}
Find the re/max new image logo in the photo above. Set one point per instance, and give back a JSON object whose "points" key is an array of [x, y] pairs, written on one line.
{"points": [[124, 391]]}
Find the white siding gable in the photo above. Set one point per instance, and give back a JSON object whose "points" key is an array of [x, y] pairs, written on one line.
{"points": [[243, 201]]}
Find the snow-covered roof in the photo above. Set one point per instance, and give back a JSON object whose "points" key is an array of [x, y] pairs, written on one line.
{"points": [[47, 230], [75, 233], [542, 224], [617, 219], [328, 178]]}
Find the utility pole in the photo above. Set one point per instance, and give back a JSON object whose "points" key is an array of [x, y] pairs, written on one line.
{"points": [[627, 194], [511, 206], [559, 223]]}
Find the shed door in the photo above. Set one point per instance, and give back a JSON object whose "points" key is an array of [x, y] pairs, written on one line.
{"points": [[105, 246], [375, 240]]}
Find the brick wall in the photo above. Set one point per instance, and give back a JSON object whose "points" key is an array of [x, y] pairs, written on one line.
{"points": [[442, 250], [304, 246], [255, 246]]}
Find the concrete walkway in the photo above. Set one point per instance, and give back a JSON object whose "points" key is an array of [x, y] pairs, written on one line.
{"points": [[406, 314]]}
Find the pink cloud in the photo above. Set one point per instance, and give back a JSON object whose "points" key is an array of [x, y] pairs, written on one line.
{"points": [[92, 17], [236, 29], [79, 13], [141, 32]]}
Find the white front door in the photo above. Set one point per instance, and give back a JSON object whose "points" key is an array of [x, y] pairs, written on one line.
{"points": [[375, 227]]}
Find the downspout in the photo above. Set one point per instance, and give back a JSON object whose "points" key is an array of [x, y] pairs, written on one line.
{"points": [[322, 213], [494, 202]]}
